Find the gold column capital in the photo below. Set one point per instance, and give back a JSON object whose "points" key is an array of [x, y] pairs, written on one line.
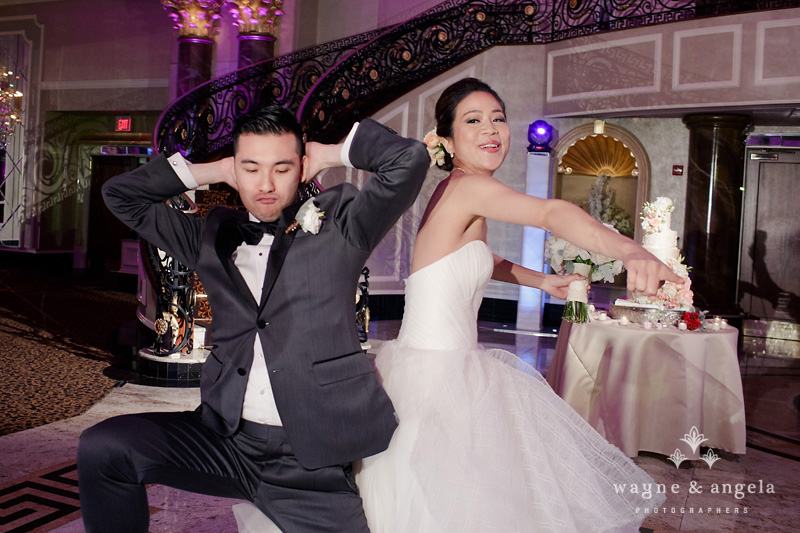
{"points": [[257, 17], [194, 18]]}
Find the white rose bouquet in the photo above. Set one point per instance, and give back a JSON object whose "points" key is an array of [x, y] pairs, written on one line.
{"points": [[566, 258]]}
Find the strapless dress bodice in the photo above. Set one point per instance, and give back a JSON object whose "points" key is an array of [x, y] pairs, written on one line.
{"points": [[443, 298]]}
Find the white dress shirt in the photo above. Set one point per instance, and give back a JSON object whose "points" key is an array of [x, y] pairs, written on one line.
{"points": [[251, 260]]}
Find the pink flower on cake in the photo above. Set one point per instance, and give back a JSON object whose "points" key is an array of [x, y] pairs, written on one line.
{"points": [[651, 223], [656, 215]]}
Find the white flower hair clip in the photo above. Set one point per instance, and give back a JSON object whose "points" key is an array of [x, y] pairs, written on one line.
{"points": [[309, 218], [435, 148]]}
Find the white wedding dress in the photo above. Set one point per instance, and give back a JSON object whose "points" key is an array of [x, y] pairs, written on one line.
{"points": [[483, 443]]}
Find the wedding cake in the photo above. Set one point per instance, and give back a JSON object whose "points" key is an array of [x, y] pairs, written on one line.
{"points": [[661, 241]]}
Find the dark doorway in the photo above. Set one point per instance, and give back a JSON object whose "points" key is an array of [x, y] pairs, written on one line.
{"points": [[106, 233], [769, 279]]}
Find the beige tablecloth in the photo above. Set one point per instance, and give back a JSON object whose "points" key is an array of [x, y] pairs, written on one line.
{"points": [[644, 389]]}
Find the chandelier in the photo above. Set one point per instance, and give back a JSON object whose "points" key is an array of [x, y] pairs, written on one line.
{"points": [[10, 103]]}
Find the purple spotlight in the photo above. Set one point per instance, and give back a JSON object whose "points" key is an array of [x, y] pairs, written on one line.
{"points": [[539, 135]]}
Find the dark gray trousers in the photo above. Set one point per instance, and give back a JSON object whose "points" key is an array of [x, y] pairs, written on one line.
{"points": [[119, 456]]}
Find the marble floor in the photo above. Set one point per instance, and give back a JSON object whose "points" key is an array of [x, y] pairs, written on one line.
{"points": [[757, 491]]}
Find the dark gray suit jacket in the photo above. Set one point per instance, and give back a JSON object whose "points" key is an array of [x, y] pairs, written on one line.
{"points": [[328, 396]]}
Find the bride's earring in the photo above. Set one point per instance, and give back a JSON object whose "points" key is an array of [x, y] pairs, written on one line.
{"points": [[448, 149]]}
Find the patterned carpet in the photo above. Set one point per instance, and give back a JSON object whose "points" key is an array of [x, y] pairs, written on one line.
{"points": [[57, 336]]}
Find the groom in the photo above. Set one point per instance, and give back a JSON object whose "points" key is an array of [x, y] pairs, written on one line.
{"points": [[289, 399]]}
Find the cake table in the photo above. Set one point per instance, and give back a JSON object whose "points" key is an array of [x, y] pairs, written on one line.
{"points": [[645, 389]]}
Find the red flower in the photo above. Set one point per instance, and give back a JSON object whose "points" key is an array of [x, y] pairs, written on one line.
{"points": [[692, 320]]}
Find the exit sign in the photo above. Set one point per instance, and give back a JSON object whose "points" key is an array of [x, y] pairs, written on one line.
{"points": [[123, 124]]}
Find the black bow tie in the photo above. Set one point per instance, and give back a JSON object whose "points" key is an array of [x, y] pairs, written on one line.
{"points": [[252, 232]]}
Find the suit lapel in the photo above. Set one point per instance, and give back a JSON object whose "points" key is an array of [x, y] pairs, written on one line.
{"points": [[278, 251], [228, 239]]}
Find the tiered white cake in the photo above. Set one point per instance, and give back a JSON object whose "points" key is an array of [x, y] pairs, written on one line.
{"points": [[661, 241]]}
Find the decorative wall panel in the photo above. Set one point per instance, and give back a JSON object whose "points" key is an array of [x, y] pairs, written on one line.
{"points": [[717, 67], [626, 66], [777, 44]]}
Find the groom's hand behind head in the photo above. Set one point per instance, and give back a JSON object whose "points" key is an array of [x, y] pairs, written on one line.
{"points": [[320, 157]]}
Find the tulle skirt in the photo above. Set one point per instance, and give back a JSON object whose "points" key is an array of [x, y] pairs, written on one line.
{"points": [[484, 444]]}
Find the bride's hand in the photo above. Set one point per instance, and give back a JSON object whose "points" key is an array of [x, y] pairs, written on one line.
{"points": [[646, 273], [556, 285]]}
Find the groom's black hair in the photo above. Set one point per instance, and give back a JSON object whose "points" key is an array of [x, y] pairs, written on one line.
{"points": [[269, 120]]}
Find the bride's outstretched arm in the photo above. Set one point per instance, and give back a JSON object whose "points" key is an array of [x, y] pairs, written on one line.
{"points": [[487, 197], [505, 270]]}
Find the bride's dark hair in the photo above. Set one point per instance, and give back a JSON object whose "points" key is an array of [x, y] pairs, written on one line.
{"points": [[445, 113]]}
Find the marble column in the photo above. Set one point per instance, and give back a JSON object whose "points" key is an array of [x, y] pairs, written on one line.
{"points": [[197, 21], [255, 48], [715, 179], [259, 24], [194, 63]]}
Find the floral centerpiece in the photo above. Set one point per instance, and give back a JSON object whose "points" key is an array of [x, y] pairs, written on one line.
{"points": [[692, 320], [601, 206], [566, 258]]}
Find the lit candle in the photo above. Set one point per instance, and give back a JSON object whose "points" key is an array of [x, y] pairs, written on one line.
{"points": [[716, 326], [603, 315], [591, 308], [682, 325], [723, 324], [623, 321]]}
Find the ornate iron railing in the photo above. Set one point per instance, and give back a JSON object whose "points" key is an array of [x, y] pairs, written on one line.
{"points": [[200, 123], [353, 77]]}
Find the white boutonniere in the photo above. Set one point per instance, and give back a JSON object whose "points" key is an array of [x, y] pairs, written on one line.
{"points": [[309, 218]]}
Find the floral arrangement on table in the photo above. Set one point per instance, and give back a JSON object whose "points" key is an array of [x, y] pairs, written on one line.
{"points": [[692, 321], [698, 320], [601, 206], [566, 258]]}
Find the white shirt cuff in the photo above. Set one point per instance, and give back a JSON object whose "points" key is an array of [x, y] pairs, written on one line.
{"points": [[346, 146], [178, 164]]}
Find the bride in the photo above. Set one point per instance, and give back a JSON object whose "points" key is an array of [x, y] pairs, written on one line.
{"points": [[483, 443]]}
